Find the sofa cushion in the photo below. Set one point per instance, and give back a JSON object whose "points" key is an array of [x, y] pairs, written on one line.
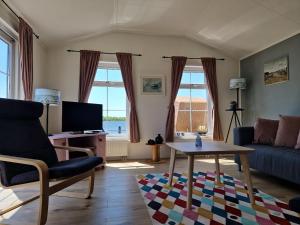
{"points": [[297, 146], [288, 131], [281, 162], [265, 131], [61, 169]]}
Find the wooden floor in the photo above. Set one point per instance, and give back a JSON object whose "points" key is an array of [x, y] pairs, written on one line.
{"points": [[117, 200]]}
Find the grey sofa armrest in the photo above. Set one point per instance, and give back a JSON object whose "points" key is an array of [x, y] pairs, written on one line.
{"points": [[243, 135]]}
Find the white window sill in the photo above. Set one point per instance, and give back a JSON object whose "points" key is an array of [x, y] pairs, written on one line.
{"points": [[190, 137]]}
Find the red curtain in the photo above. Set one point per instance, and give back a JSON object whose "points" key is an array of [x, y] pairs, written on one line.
{"points": [[178, 64], [209, 67], [125, 62], [89, 61], [26, 58]]}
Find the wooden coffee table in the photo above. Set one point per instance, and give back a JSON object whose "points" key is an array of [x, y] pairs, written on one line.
{"points": [[215, 148]]}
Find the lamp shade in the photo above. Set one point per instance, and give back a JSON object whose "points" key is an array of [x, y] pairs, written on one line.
{"points": [[237, 83], [47, 96]]}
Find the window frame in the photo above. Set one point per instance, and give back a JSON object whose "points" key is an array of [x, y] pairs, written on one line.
{"points": [[11, 60], [113, 65], [199, 69]]}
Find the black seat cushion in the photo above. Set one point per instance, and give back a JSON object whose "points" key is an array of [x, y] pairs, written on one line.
{"points": [[22, 135], [61, 169]]}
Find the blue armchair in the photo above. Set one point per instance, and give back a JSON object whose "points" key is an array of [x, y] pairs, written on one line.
{"points": [[26, 155]]}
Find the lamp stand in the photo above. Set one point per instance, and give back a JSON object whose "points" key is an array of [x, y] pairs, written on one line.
{"points": [[236, 121], [238, 97], [47, 118]]}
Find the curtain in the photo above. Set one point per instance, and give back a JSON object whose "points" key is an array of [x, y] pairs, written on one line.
{"points": [[89, 61], [209, 67], [178, 64], [26, 57], [125, 62]]}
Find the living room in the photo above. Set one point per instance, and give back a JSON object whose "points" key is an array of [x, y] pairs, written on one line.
{"points": [[240, 39]]}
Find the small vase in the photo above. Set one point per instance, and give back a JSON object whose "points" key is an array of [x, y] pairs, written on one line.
{"points": [[198, 142], [159, 139]]}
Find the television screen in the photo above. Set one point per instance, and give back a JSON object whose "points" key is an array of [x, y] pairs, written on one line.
{"points": [[81, 116]]}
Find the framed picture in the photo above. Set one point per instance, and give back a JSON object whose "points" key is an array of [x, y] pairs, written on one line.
{"points": [[276, 71], [153, 85]]}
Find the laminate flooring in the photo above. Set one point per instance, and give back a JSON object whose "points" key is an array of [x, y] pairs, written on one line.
{"points": [[116, 199]]}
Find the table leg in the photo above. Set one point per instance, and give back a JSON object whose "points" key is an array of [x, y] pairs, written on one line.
{"points": [[246, 171], [172, 165], [190, 181], [217, 169]]}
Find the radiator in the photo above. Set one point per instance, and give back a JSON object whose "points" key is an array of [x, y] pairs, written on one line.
{"points": [[116, 148]]}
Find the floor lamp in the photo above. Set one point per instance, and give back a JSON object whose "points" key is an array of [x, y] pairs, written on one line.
{"points": [[235, 84], [49, 97]]}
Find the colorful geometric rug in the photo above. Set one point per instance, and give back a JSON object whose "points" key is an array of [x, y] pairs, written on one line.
{"points": [[212, 205]]}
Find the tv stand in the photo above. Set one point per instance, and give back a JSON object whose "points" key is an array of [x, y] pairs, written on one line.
{"points": [[94, 141]]}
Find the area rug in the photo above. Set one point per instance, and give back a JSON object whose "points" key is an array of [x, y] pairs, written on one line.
{"points": [[212, 205]]}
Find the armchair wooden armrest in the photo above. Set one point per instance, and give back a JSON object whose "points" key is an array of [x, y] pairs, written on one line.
{"points": [[39, 164], [75, 149]]}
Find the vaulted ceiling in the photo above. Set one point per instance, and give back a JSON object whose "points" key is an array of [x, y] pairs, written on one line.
{"points": [[238, 27]]}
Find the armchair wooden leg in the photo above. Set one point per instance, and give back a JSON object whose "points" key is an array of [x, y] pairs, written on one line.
{"points": [[91, 185], [44, 197]]}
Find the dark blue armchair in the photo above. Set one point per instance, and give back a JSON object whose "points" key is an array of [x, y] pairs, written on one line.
{"points": [[26, 155]]}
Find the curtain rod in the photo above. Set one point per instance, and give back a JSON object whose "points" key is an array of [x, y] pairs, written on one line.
{"points": [[36, 35], [106, 53], [169, 57]]}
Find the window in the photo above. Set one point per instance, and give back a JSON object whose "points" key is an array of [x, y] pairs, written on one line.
{"points": [[192, 102], [108, 90], [6, 65]]}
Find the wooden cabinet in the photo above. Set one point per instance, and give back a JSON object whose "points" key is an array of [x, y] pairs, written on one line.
{"points": [[94, 141]]}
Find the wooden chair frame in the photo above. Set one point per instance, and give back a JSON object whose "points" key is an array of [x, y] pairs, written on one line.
{"points": [[44, 182]]}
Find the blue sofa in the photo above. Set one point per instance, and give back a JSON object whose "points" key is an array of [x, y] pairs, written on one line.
{"points": [[281, 162]]}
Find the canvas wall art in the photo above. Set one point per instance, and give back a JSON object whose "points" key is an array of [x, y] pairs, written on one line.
{"points": [[153, 85], [276, 71]]}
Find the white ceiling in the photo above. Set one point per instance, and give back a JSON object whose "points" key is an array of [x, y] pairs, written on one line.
{"points": [[238, 27]]}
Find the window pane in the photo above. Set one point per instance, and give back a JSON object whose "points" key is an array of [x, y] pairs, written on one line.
{"points": [[101, 75], [197, 78], [115, 122], [199, 99], [199, 93], [183, 99], [115, 75], [3, 56], [185, 78], [99, 95], [199, 121], [182, 121], [116, 98], [183, 92], [3, 86]]}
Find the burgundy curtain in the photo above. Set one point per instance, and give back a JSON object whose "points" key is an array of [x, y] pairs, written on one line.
{"points": [[26, 57], [178, 64], [125, 62], [209, 67], [89, 61]]}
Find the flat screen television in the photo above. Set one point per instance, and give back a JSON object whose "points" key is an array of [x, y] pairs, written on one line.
{"points": [[80, 117]]}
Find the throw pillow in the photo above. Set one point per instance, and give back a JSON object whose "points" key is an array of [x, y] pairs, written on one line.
{"points": [[265, 131], [298, 142], [288, 131]]}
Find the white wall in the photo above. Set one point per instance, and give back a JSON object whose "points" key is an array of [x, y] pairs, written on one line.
{"points": [[10, 24], [63, 74]]}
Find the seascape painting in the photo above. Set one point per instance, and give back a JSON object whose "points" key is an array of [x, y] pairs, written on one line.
{"points": [[276, 71], [153, 85]]}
